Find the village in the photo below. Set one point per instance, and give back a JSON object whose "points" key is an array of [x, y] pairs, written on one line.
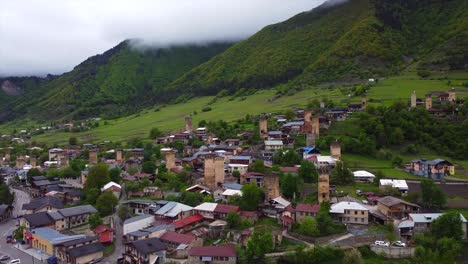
{"points": [[194, 197]]}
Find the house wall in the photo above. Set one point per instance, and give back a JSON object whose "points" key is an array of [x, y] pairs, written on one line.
{"points": [[137, 225], [360, 217], [87, 258], [301, 215], [216, 260], [42, 244]]}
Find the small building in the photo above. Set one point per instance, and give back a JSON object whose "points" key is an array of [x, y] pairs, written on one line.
{"points": [[212, 254], [207, 210], [115, 188], [252, 177], [104, 234], [363, 176], [400, 185], [246, 160], [395, 208], [230, 193], [45, 239], [178, 244], [303, 210], [137, 223], [222, 210], [272, 145], [188, 222], [153, 192], [350, 213], [150, 250], [79, 251], [420, 223]]}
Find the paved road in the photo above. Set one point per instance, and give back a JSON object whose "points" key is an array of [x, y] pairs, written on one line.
{"points": [[8, 227], [118, 234]]}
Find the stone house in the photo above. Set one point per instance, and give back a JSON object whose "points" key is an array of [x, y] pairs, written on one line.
{"points": [[395, 208]]}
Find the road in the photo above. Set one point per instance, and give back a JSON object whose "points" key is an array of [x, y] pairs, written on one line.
{"points": [[8, 227], [118, 234]]}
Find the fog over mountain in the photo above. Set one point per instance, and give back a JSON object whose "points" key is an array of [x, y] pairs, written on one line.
{"points": [[40, 37]]}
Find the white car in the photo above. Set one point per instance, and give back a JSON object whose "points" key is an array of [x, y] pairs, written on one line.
{"points": [[399, 244], [382, 243], [15, 261]]}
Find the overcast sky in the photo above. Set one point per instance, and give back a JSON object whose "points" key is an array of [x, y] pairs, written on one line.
{"points": [[52, 36]]}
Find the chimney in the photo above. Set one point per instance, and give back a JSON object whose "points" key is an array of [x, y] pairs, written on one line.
{"points": [[188, 124], [20, 162], [413, 99], [7, 156], [307, 116], [93, 158], [316, 126], [323, 186], [64, 161]]}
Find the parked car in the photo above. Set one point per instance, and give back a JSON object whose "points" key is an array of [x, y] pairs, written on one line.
{"points": [[382, 243], [9, 239], [15, 261], [398, 244], [4, 257]]}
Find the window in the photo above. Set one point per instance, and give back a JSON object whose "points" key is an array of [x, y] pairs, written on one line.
{"points": [[362, 212], [355, 212], [355, 219]]}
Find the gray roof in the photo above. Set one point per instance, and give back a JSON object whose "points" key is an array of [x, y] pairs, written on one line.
{"points": [[391, 201], [42, 183], [428, 218], [55, 215], [39, 219], [138, 233], [152, 229], [77, 241], [38, 178], [149, 245], [78, 210], [86, 249], [39, 203]]}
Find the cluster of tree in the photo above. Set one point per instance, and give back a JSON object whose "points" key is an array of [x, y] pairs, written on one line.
{"points": [[341, 175], [320, 225], [260, 243], [432, 194], [316, 255], [6, 197], [252, 195], [287, 158]]}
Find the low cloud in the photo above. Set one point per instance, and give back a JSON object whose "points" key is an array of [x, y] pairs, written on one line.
{"points": [[39, 37]]}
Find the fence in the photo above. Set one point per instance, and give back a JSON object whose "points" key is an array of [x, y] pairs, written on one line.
{"points": [[393, 252]]}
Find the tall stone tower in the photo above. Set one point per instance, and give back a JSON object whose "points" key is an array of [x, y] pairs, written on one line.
{"points": [[263, 127], [93, 158], [33, 161], [170, 159], [452, 95], [310, 139], [219, 171], [118, 155], [413, 99], [7, 157], [63, 161], [20, 162], [324, 185], [335, 149], [428, 101], [209, 174], [307, 116], [271, 186], [188, 124], [316, 126], [363, 103]]}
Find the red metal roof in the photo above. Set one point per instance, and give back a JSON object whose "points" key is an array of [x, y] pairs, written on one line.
{"points": [[248, 213], [188, 220], [225, 208], [310, 208], [101, 228], [215, 251], [178, 238]]}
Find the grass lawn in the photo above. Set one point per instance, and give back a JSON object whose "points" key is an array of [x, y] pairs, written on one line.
{"points": [[108, 250], [351, 189]]}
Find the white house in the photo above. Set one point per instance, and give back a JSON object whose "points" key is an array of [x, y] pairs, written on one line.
{"points": [[401, 185], [350, 213], [363, 176], [229, 193], [206, 210], [137, 223]]}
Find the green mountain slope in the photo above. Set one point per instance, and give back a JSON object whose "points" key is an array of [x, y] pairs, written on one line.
{"points": [[117, 82], [351, 41]]}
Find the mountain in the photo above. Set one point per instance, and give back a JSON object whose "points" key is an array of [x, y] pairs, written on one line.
{"points": [[120, 81], [338, 42]]}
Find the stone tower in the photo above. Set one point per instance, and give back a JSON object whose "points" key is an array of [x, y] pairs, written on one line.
{"points": [[219, 171], [209, 172], [118, 155], [64, 161], [452, 95], [263, 127], [413, 99], [93, 159], [20, 162], [188, 124], [335, 149], [310, 139], [170, 159], [428, 101], [324, 186], [7, 156], [307, 117], [363, 103], [271, 186], [316, 126], [33, 161]]}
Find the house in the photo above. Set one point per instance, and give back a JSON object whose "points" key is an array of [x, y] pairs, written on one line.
{"points": [[145, 251], [252, 177], [222, 210], [272, 145], [137, 223], [153, 192], [350, 213], [188, 222], [420, 223], [149, 232], [77, 216], [5, 212], [180, 242], [245, 160], [251, 216], [115, 188], [363, 176], [173, 211], [45, 239], [36, 220], [198, 189], [43, 204], [139, 207], [241, 168], [229, 193], [104, 234], [400, 185], [212, 254], [395, 208], [79, 251], [434, 169], [303, 210], [323, 161], [207, 210]]}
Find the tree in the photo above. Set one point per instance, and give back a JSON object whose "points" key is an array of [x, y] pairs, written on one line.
{"points": [[432, 194], [236, 174], [124, 212], [308, 172], [6, 197], [289, 114], [233, 219], [149, 167], [352, 256], [291, 158], [98, 176], [31, 173], [259, 244], [114, 174], [155, 133], [191, 198], [288, 185], [448, 225], [73, 141], [251, 196], [91, 195], [258, 166], [94, 220], [324, 220], [235, 200], [309, 226], [106, 203], [341, 175]]}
